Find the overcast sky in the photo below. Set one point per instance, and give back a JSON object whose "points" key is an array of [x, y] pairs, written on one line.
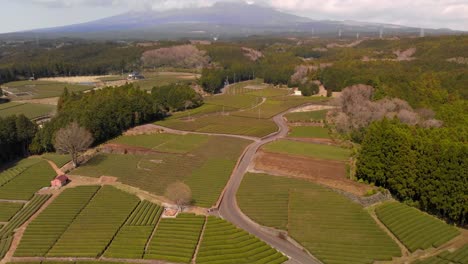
{"points": [[30, 14]]}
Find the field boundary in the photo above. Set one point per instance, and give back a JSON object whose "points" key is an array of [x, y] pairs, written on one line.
{"points": [[200, 239]]}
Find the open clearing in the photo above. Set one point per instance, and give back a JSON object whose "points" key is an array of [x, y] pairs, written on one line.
{"points": [[326, 172], [157, 79], [308, 150], [312, 116], [415, 229], [30, 110], [201, 162], [40, 89], [330, 226]]}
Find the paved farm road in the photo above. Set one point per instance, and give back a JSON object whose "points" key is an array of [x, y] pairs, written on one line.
{"points": [[228, 208]]}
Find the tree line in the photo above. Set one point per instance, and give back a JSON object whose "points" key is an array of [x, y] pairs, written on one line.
{"points": [[16, 133], [426, 168]]}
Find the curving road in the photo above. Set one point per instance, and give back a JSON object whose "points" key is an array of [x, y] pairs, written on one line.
{"points": [[227, 204], [230, 211]]}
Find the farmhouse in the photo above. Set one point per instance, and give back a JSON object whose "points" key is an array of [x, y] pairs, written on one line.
{"points": [[59, 181]]}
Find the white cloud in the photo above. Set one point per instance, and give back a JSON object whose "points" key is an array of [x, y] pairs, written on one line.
{"points": [[419, 13]]}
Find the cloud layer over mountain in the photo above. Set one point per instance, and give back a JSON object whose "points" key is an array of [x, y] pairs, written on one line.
{"points": [[420, 13]]}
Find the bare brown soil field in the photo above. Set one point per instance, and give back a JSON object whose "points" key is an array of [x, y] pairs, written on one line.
{"points": [[77, 79], [326, 172]]}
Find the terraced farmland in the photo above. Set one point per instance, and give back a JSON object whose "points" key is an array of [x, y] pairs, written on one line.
{"points": [[145, 214], [224, 124], [43, 89], [8, 210], [165, 142], [30, 110], [130, 242], [132, 238], [176, 239], [312, 116], [24, 185], [309, 132], [46, 229], [154, 172], [23, 215], [9, 174], [94, 228], [415, 229], [274, 106], [308, 150], [214, 173], [459, 256], [330, 226], [4, 246], [224, 243]]}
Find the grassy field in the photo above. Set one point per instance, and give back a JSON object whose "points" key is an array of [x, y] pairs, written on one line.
{"points": [[224, 124], [29, 181], [415, 229], [8, 210], [157, 79], [238, 101], [309, 132], [332, 227], [176, 239], [308, 150], [30, 110], [165, 142], [459, 256], [275, 106], [59, 159], [46, 229], [94, 228], [43, 89], [312, 116], [207, 164], [222, 242], [270, 92]]}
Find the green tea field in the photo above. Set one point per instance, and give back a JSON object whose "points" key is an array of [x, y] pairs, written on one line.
{"points": [[30, 110], [196, 160], [330, 226], [413, 228]]}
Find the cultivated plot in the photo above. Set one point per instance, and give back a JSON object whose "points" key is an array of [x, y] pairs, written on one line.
{"points": [[176, 239], [309, 116], [46, 229], [30, 110], [94, 228], [308, 150], [41, 89], [24, 185], [330, 226], [415, 229], [222, 242], [8, 210], [309, 132], [200, 163]]}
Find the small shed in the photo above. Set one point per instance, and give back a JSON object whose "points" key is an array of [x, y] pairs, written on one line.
{"points": [[297, 92], [59, 181]]}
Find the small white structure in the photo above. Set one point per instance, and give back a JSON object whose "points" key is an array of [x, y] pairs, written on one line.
{"points": [[297, 92]]}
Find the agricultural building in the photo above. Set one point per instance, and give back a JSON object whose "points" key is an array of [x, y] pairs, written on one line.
{"points": [[59, 181]]}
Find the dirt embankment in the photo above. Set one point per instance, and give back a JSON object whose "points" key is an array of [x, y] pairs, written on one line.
{"points": [[325, 172]]}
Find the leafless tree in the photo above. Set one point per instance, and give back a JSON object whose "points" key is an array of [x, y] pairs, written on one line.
{"points": [[184, 56], [356, 110], [179, 193], [73, 140]]}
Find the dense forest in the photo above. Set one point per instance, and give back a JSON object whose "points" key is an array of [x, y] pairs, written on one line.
{"points": [[426, 168], [66, 59], [106, 113], [16, 133]]}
